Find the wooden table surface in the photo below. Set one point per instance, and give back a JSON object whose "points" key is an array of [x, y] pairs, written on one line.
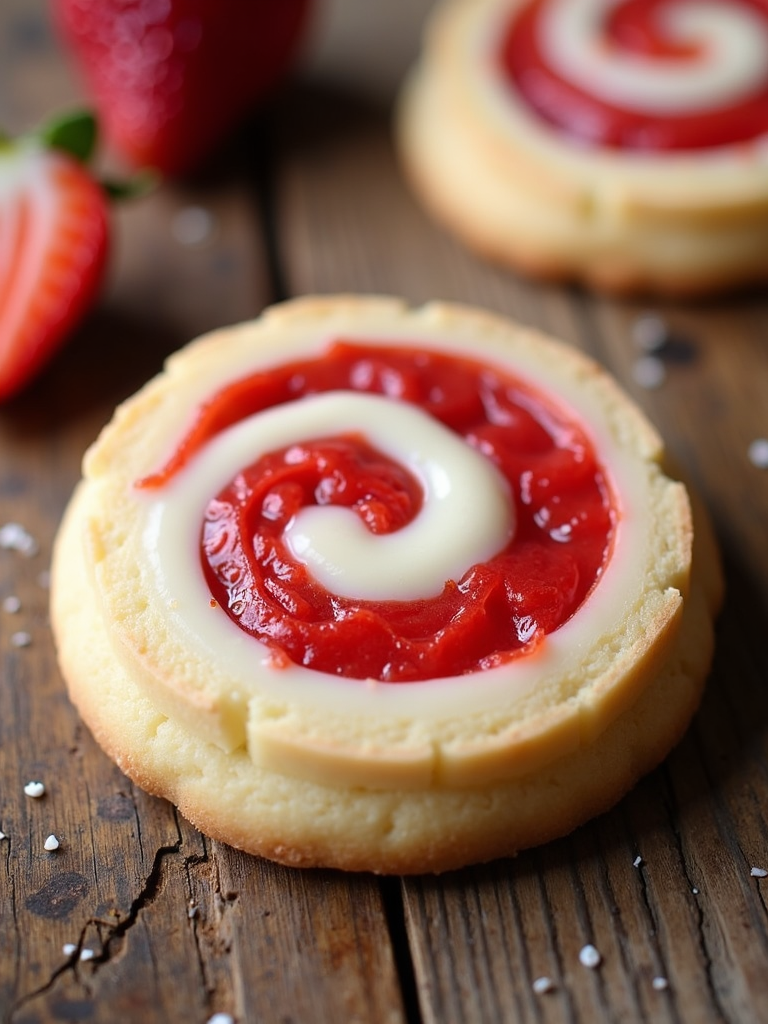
{"points": [[309, 198]]}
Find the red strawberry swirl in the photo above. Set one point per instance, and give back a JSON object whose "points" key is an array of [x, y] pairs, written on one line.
{"points": [[644, 75], [387, 514]]}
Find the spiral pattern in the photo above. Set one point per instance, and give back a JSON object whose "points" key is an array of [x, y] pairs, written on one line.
{"points": [[644, 74], [392, 514]]}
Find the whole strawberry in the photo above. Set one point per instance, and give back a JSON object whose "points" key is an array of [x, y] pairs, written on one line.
{"points": [[53, 244], [170, 78]]}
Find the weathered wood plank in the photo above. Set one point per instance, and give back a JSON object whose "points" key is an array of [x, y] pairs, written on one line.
{"points": [[308, 945], [178, 927], [689, 912]]}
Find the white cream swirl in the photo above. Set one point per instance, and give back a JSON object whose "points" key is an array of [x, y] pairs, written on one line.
{"points": [[466, 516], [732, 62]]}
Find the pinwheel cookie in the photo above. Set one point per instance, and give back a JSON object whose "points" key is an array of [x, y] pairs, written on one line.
{"points": [[383, 589], [623, 143]]}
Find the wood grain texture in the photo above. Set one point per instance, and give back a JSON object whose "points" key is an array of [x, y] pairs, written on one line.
{"points": [[690, 912], [310, 198], [176, 927]]}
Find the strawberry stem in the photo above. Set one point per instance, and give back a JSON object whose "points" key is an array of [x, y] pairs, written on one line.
{"points": [[76, 134]]}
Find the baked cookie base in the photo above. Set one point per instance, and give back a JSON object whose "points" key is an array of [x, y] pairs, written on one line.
{"points": [[522, 195], [302, 824]]}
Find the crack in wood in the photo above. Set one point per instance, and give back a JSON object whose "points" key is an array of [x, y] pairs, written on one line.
{"points": [[585, 919], [116, 932], [211, 934], [190, 862], [662, 968], [144, 899], [395, 914], [70, 964], [11, 880], [40, 990], [698, 912], [508, 932], [624, 942], [16, 929], [551, 918]]}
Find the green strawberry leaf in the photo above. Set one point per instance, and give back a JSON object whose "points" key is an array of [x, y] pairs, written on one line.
{"points": [[75, 132], [141, 184]]}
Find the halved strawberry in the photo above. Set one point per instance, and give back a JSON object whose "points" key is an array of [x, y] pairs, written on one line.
{"points": [[53, 244]]}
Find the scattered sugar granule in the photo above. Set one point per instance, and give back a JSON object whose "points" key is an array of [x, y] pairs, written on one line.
{"points": [[21, 639], [695, 891], [660, 984], [649, 372], [191, 909], [193, 225], [638, 861], [758, 452], [3, 836], [51, 843], [221, 1018], [589, 956], [650, 333], [87, 954], [542, 985], [34, 789], [11, 604], [68, 948], [759, 873], [14, 537]]}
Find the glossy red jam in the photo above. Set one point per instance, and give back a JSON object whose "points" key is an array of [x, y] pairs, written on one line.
{"points": [[495, 610], [632, 26]]}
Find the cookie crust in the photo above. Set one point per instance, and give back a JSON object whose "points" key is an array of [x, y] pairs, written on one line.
{"points": [[337, 773]]}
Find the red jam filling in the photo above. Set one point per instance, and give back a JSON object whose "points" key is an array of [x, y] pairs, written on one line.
{"points": [[495, 610], [631, 27]]}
